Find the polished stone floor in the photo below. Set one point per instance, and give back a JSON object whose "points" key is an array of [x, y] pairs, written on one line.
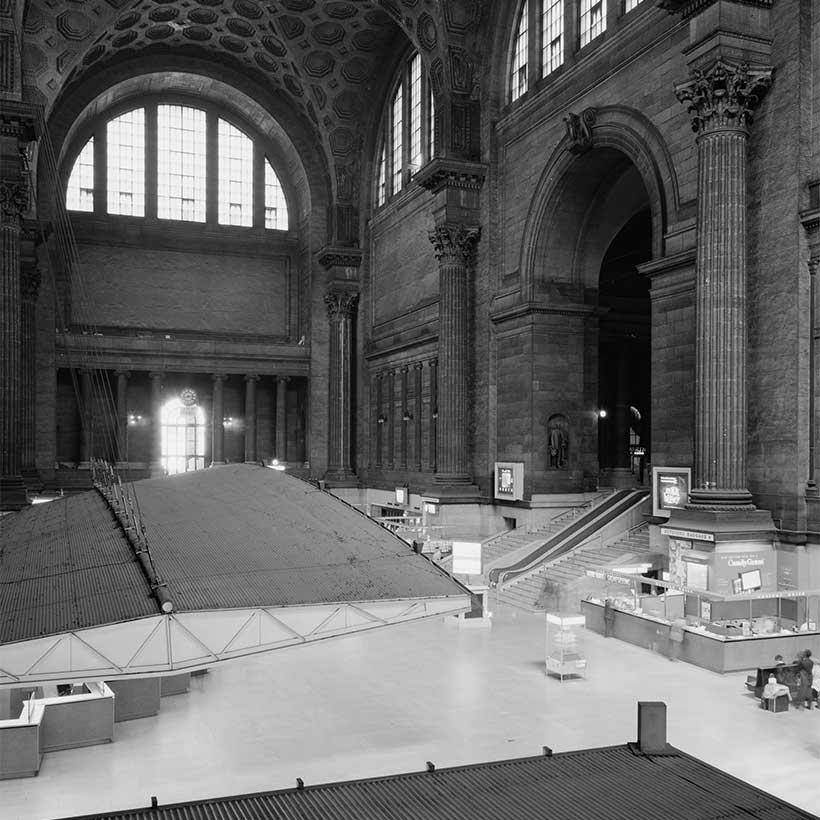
{"points": [[389, 700]]}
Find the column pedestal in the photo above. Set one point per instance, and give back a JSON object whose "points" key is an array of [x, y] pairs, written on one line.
{"points": [[218, 422]]}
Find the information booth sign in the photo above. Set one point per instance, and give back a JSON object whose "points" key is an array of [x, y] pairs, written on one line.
{"points": [[670, 489]]}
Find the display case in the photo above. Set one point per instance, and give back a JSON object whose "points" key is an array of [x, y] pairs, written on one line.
{"points": [[565, 645]]}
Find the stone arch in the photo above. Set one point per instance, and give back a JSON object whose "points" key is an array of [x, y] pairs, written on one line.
{"points": [[621, 137]]}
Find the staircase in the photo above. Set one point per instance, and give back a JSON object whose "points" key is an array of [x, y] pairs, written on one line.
{"points": [[553, 586]]}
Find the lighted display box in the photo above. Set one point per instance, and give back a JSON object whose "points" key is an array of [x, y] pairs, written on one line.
{"points": [[509, 480], [565, 645], [670, 489]]}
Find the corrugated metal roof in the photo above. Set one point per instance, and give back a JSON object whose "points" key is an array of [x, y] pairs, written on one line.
{"points": [[66, 565], [229, 537], [241, 535], [612, 783]]}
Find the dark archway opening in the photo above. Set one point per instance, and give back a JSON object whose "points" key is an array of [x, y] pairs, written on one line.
{"points": [[624, 355]]}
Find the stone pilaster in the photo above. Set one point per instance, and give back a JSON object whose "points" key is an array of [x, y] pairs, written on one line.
{"points": [[86, 418], [454, 247], [155, 464], [406, 416], [250, 418], [379, 379], [721, 99], [281, 418], [29, 287], [389, 415], [122, 414], [341, 310], [418, 367], [218, 420], [433, 421]]}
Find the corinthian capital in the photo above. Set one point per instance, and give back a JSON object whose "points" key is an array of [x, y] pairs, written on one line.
{"points": [[341, 304], [454, 244], [13, 201], [724, 95]]}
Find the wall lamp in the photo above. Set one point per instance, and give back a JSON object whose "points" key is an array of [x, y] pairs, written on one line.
{"points": [[381, 419], [407, 416], [435, 412], [134, 419]]}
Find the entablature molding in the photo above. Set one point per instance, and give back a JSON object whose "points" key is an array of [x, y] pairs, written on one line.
{"points": [[443, 172], [20, 120], [422, 348], [688, 8], [526, 310], [331, 257]]}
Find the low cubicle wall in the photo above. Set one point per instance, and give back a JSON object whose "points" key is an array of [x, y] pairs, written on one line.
{"points": [[699, 647]]}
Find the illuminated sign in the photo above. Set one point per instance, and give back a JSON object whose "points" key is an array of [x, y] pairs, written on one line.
{"points": [[401, 495], [670, 489], [466, 558], [691, 535], [509, 480]]}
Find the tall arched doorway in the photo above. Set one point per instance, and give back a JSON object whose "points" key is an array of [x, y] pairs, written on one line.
{"points": [[182, 435], [624, 355]]}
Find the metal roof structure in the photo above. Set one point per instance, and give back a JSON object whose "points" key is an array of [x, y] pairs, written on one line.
{"points": [[616, 783], [247, 559]]}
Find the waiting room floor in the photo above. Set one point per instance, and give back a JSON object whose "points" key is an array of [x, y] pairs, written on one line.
{"points": [[389, 700]]}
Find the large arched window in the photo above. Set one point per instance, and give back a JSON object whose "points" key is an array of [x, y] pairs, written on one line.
{"points": [[408, 128], [549, 32], [201, 168]]}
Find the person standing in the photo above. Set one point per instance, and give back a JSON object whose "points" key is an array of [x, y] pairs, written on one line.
{"points": [[805, 670], [675, 638], [609, 618]]}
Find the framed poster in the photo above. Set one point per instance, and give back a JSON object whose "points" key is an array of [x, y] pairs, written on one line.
{"points": [[509, 480], [670, 489]]}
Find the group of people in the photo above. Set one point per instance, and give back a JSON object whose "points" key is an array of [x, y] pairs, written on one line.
{"points": [[808, 681]]}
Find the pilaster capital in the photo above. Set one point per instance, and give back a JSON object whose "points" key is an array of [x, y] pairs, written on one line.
{"points": [[723, 96], [418, 365], [454, 244], [14, 201], [124, 373], [282, 379], [218, 378], [252, 377], [433, 362], [30, 278], [341, 304]]}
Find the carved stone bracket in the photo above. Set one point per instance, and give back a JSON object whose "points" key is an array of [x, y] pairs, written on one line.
{"points": [[341, 304], [724, 95], [454, 244], [579, 130], [14, 201], [330, 257], [442, 173]]}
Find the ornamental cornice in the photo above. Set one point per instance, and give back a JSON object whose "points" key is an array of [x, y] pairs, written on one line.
{"points": [[454, 244], [332, 257], [20, 120], [14, 201], [689, 8], [442, 173], [724, 95], [534, 308], [810, 220]]}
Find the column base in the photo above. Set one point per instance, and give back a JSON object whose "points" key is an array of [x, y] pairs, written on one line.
{"points": [[812, 507], [217, 463], [341, 478], [718, 499], [13, 494], [31, 478], [725, 525]]}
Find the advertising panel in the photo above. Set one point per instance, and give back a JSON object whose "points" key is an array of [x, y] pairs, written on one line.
{"points": [[670, 489], [509, 480]]}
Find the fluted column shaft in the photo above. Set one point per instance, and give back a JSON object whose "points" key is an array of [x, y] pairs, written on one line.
{"points": [[86, 416], [454, 248], [13, 202], [122, 414], [433, 426], [721, 101], [390, 419], [156, 423], [417, 370], [281, 418], [250, 418], [341, 308], [218, 421]]}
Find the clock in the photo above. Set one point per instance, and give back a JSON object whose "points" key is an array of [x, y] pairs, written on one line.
{"points": [[188, 397]]}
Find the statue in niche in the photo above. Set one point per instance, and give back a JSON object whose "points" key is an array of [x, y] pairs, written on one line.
{"points": [[558, 441]]}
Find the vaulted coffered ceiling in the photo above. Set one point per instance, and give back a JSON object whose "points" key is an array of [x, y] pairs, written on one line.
{"points": [[331, 59]]}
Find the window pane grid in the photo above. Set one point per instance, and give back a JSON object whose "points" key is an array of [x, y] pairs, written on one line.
{"points": [[276, 208], [381, 180], [431, 124], [519, 63], [181, 163], [631, 4], [80, 190], [396, 133], [415, 113], [125, 137], [552, 31], [593, 21], [235, 176]]}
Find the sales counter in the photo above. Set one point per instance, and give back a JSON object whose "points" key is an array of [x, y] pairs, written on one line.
{"points": [[702, 644]]}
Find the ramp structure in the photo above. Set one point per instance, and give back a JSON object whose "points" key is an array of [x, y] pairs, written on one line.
{"points": [[243, 559]]}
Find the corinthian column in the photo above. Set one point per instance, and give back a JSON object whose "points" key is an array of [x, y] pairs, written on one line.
{"points": [[29, 287], [721, 100], [341, 308], [454, 246]]}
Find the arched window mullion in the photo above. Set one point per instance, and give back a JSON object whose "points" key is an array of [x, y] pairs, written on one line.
{"points": [[151, 160], [259, 160], [212, 165], [101, 169]]}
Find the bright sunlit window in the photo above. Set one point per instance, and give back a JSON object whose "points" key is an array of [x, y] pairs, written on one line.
{"points": [[518, 84], [415, 113], [125, 143], [631, 4], [396, 119], [381, 179], [431, 123], [80, 191], [276, 209], [593, 21], [235, 176], [181, 163], [552, 36]]}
